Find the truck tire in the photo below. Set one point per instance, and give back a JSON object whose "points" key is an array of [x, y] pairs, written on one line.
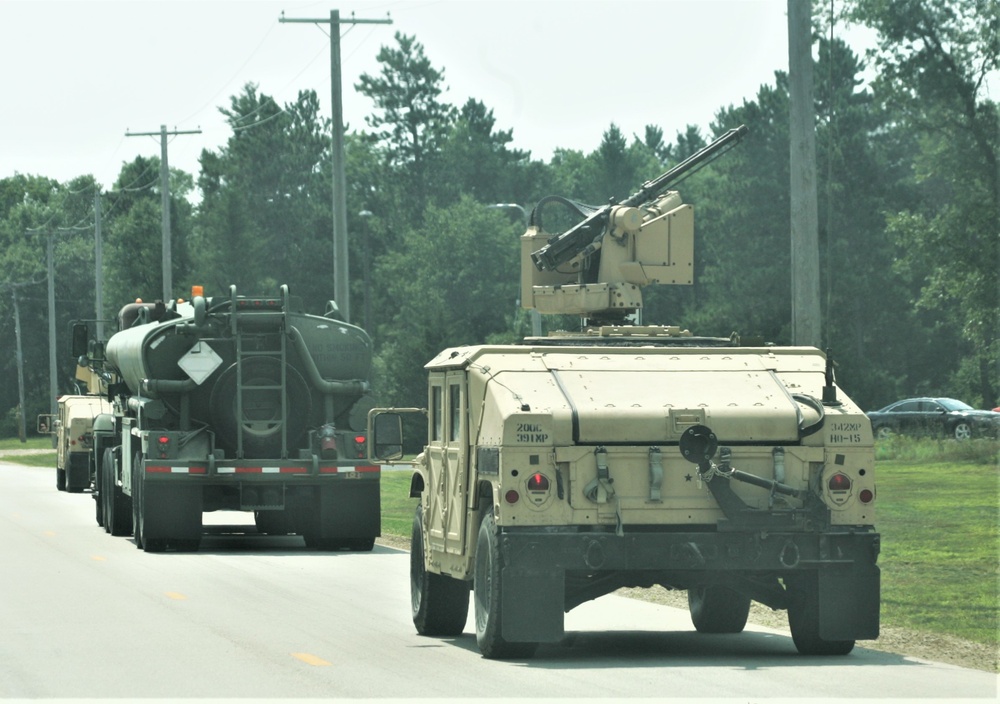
{"points": [[60, 479], [98, 498], [439, 604], [488, 590], [717, 609], [136, 504], [803, 621], [117, 506]]}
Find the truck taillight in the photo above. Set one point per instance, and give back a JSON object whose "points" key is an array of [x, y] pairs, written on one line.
{"points": [[511, 496], [866, 496], [538, 482], [163, 446], [839, 482], [359, 445]]}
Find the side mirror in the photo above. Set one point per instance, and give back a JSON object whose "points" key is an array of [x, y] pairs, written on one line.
{"points": [[45, 423], [387, 436], [80, 338]]}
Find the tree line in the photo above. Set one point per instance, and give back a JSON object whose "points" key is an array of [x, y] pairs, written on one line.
{"points": [[909, 213]]}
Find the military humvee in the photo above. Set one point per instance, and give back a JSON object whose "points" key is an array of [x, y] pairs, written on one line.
{"points": [[564, 468]]}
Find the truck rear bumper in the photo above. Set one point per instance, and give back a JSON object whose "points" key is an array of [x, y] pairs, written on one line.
{"points": [[532, 549], [553, 571]]}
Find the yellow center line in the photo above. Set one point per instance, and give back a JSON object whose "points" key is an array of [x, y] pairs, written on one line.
{"points": [[48, 533], [176, 596], [311, 659], [98, 558]]}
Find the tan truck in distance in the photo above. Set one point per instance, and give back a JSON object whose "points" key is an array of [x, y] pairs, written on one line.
{"points": [[621, 455]]}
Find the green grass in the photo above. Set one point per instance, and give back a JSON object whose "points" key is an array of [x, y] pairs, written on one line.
{"points": [[40, 442], [397, 506], [938, 514], [8, 447]]}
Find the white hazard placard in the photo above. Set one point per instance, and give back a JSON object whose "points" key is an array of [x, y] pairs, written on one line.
{"points": [[199, 362]]}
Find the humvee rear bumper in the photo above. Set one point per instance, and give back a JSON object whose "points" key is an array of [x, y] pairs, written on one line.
{"points": [[548, 572]]}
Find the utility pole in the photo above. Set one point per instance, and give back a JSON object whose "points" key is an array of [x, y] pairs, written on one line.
{"points": [[51, 275], [168, 282], [19, 357], [98, 267], [806, 328], [341, 281]]}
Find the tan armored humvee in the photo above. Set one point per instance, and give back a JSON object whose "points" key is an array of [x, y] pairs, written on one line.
{"points": [[73, 428], [564, 468]]}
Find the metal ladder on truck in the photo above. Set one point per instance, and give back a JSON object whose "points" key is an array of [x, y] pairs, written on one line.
{"points": [[259, 319]]}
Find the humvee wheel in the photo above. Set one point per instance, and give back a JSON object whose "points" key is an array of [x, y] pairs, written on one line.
{"points": [[439, 604], [717, 609], [488, 588], [803, 621]]}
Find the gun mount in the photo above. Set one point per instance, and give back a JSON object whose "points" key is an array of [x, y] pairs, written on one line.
{"points": [[597, 267]]}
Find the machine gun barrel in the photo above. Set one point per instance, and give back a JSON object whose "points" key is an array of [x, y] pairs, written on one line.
{"points": [[563, 247]]}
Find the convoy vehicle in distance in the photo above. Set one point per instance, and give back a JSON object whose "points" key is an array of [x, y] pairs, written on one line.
{"points": [[564, 468], [241, 403], [73, 428], [934, 416]]}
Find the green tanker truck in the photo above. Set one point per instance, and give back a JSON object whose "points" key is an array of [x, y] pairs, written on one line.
{"points": [[241, 403]]}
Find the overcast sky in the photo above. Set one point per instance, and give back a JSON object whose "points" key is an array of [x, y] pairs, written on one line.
{"points": [[76, 75]]}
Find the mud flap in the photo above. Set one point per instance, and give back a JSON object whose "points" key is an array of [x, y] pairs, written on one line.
{"points": [[849, 602], [78, 472], [349, 510], [171, 512], [532, 606]]}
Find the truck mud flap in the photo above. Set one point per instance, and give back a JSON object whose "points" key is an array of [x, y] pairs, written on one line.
{"points": [[349, 510], [171, 513], [78, 472], [849, 602], [532, 606]]}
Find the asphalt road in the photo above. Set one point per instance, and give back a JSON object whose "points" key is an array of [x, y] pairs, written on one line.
{"points": [[86, 615]]}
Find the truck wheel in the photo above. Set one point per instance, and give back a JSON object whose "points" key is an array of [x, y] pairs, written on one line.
{"points": [[142, 541], [60, 479], [136, 504], [117, 506], [488, 589], [98, 499], [803, 620], [717, 609], [439, 604]]}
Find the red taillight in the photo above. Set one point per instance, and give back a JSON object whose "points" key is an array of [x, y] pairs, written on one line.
{"points": [[839, 482], [164, 440], [511, 497], [538, 482], [359, 439], [866, 496]]}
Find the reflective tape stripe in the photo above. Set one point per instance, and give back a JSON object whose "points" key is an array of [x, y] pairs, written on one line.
{"points": [[160, 469]]}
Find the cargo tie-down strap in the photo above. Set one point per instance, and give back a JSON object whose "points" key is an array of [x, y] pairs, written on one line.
{"points": [[600, 489]]}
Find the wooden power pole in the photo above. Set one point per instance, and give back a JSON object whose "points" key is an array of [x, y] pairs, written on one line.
{"points": [[168, 280], [341, 280], [806, 326]]}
